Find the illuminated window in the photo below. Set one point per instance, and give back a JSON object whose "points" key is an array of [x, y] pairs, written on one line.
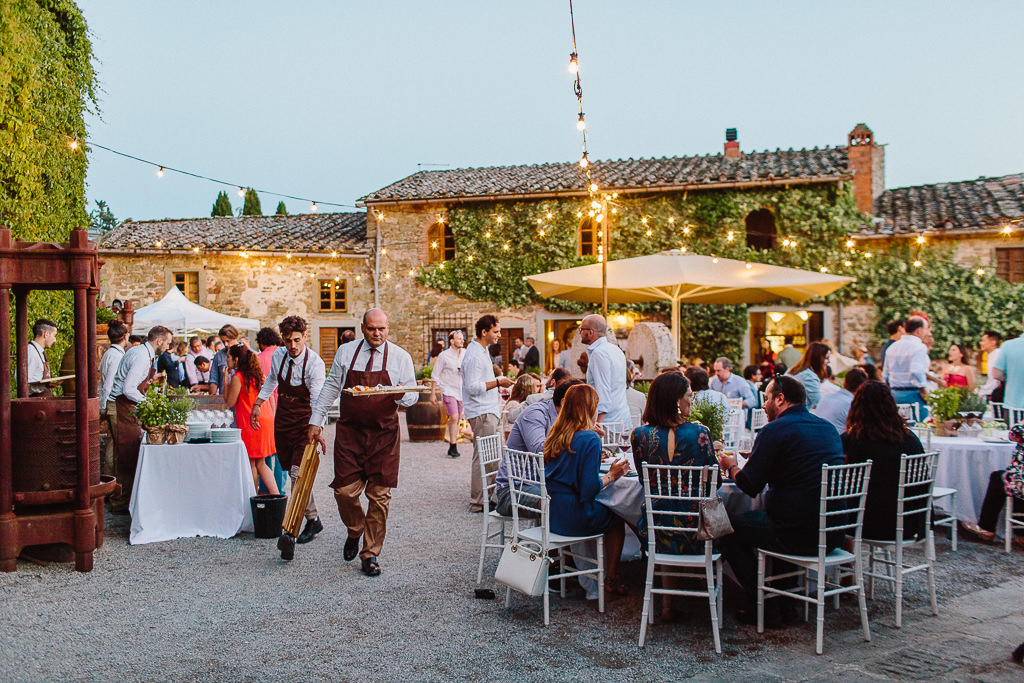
{"points": [[588, 240], [440, 243], [333, 295], [188, 283]]}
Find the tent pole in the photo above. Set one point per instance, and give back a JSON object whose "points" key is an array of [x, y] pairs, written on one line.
{"points": [[675, 325]]}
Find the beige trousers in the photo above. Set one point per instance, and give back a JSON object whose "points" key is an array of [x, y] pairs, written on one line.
{"points": [[482, 425], [373, 523]]}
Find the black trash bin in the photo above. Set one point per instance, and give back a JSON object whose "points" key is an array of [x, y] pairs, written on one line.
{"points": [[268, 514]]}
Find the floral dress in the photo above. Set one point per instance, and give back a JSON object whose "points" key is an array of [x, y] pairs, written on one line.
{"points": [[693, 448]]}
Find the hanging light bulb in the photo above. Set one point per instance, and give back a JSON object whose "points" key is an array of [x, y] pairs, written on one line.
{"points": [[380, 216], [384, 251], [847, 263], [581, 124], [574, 66], [686, 230], [241, 192], [387, 276], [785, 243], [499, 219], [584, 162], [730, 238], [312, 209], [920, 239], [541, 233], [672, 219], [539, 221], [648, 233], [487, 234], [749, 266], [411, 273], [549, 215], [579, 214], [505, 246], [160, 172], [714, 259], [683, 249], [159, 243], [73, 144], [469, 258], [917, 264], [867, 254], [849, 244], [334, 254], [980, 271], [644, 220], [823, 269], [593, 187], [441, 265]]}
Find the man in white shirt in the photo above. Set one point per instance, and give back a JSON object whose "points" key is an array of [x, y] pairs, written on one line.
{"points": [[606, 372], [836, 406], [447, 373], [990, 345], [366, 439], [195, 349], [44, 334], [131, 381], [906, 366], [117, 333], [733, 386], [480, 399], [298, 375]]}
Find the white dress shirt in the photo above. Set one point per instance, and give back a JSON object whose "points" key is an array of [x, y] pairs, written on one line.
{"points": [[316, 372], [133, 371], [906, 363], [108, 368], [400, 370], [735, 387], [448, 372], [607, 374], [477, 371], [191, 372], [36, 354], [991, 383]]}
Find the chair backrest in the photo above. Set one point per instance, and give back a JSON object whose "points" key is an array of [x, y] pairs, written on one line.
{"points": [[678, 489], [914, 497], [612, 433], [731, 435], [1014, 416], [758, 419], [527, 487], [925, 435], [844, 490], [735, 403], [908, 411], [489, 448]]}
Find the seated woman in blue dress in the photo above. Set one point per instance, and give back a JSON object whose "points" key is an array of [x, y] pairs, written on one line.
{"points": [[572, 457]]}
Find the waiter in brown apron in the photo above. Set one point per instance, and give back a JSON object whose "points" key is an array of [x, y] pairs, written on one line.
{"points": [[297, 374], [134, 375], [44, 334], [366, 441]]}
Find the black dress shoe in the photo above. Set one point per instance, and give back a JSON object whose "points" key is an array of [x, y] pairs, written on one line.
{"points": [[286, 544], [453, 451], [313, 527], [370, 566], [351, 548]]}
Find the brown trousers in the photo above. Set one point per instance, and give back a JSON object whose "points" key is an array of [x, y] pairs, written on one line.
{"points": [[110, 453], [373, 523]]}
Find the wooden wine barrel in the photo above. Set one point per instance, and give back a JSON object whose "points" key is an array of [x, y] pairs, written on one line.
{"points": [[426, 420]]}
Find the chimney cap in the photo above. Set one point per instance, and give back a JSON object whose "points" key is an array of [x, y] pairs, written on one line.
{"points": [[730, 135]]}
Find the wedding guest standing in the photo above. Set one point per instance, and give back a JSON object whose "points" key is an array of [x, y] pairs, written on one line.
{"points": [[606, 372], [44, 334], [243, 389], [117, 333], [811, 370], [448, 375], [218, 366], [195, 349], [297, 375]]}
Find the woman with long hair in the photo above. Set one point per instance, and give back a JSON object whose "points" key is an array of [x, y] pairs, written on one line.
{"points": [[526, 384], [572, 457], [241, 394], [812, 370], [667, 437], [875, 431], [958, 371]]}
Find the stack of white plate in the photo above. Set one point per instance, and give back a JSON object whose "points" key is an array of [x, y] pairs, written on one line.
{"points": [[198, 431], [226, 435]]}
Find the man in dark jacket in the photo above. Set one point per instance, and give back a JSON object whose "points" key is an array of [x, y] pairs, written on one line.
{"points": [[787, 457]]}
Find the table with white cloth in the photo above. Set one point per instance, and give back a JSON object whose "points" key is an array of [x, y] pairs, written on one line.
{"points": [[965, 464], [191, 490]]}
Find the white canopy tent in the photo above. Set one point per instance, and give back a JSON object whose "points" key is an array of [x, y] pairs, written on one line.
{"points": [[183, 316]]}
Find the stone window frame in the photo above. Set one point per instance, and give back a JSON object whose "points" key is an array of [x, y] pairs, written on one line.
{"points": [[1009, 250], [200, 272], [587, 241], [774, 237], [440, 242], [320, 301]]}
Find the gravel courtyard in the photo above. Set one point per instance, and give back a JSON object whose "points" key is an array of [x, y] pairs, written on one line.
{"points": [[204, 608]]}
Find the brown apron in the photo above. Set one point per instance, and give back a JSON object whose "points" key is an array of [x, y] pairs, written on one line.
{"points": [[129, 437], [366, 441], [291, 421]]}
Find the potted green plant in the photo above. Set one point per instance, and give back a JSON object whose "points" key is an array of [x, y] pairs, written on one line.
{"points": [[710, 414], [972, 407], [944, 405], [177, 415], [152, 413]]}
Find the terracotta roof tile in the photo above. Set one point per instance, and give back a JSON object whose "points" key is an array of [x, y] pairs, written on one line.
{"points": [[314, 232], [985, 203], [624, 174]]}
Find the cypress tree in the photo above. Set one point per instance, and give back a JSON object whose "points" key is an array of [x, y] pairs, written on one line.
{"points": [[252, 204], [222, 207], [282, 210]]}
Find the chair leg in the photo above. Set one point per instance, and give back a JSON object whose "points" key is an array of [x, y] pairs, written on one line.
{"points": [[760, 591], [858, 577], [483, 548], [1009, 523], [547, 604], [898, 581], [718, 588], [600, 574], [871, 571], [647, 613], [931, 573], [837, 574], [807, 591], [561, 570], [709, 573], [820, 580], [508, 597], [952, 521]]}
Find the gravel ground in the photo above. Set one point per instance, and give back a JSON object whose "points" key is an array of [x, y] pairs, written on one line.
{"points": [[204, 608]]}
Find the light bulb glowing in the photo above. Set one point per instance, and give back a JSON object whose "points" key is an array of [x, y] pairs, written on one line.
{"points": [[487, 234], [334, 254], [749, 266], [358, 278], [917, 264], [591, 214], [980, 271], [549, 215], [785, 243], [73, 145], [387, 276], [581, 124], [847, 263], [823, 269], [849, 244], [279, 269], [433, 245], [867, 254], [312, 209], [384, 251], [579, 214], [287, 255], [241, 192], [196, 249], [499, 219], [648, 233], [469, 258], [159, 243], [614, 210], [599, 217], [686, 231], [644, 220], [505, 246], [541, 233], [714, 259], [160, 172], [920, 239], [584, 162], [672, 219], [595, 205], [411, 273], [683, 249], [539, 221], [593, 187], [1007, 230], [730, 238], [574, 66]]}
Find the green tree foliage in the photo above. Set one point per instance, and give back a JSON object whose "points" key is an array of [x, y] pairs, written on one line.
{"points": [[282, 210], [251, 207], [222, 207], [47, 83], [102, 218]]}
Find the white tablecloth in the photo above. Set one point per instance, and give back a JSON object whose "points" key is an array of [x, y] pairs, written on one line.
{"points": [[191, 490], [965, 464]]}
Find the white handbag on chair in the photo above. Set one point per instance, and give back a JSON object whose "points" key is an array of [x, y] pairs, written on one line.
{"points": [[522, 566]]}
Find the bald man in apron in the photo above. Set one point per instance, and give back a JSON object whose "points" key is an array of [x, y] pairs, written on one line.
{"points": [[366, 441]]}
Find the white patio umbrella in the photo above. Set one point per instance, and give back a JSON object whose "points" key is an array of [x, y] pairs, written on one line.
{"points": [[183, 316], [685, 278]]}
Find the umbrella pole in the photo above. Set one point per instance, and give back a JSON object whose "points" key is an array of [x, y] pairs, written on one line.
{"points": [[605, 242], [675, 325]]}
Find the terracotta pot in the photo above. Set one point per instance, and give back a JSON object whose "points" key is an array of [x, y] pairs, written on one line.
{"points": [[154, 435], [946, 428], [174, 434]]}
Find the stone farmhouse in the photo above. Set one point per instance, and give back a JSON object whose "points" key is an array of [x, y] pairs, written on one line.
{"points": [[331, 267]]}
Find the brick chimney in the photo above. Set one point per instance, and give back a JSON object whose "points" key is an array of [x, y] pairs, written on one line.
{"points": [[732, 147], [867, 161]]}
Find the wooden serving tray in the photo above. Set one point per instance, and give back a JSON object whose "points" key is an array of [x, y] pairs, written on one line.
{"points": [[389, 390]]}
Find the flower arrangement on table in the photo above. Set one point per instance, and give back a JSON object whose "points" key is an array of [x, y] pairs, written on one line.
{"points": [[710, 414], [164, 418], [953, 407]]}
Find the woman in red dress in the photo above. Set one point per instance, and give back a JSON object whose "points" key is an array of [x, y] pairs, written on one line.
{"points": [[241, 394], [958, 371]]}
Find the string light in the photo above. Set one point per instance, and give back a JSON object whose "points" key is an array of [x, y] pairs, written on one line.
{"points": [[1007, 230], [241, 192], [980, 271], [498, 219], [196, 250], [683, 249], [917, 264], [584, 162], [549, 215], [384, 251], [541, 233], [581, 124], [648, 233], [599, 217], [505, 246], [279, 269], [849, 244], [159, 243], [579, 214], [358, 278], [73, 144], [730, 238], [312, 209], [847, 263], [334, 254], [749, 266], [574, 65], [595, 205], [672, 219], [823, 269], [920, 239], [387, 276], [593, 187], [470, 257], [644, 220], [288, 255], [160, 172], [867, 254], [714, 259]]}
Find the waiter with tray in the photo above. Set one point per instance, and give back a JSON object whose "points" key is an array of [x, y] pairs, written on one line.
{"points": [[297, 373], [366, 441]]}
